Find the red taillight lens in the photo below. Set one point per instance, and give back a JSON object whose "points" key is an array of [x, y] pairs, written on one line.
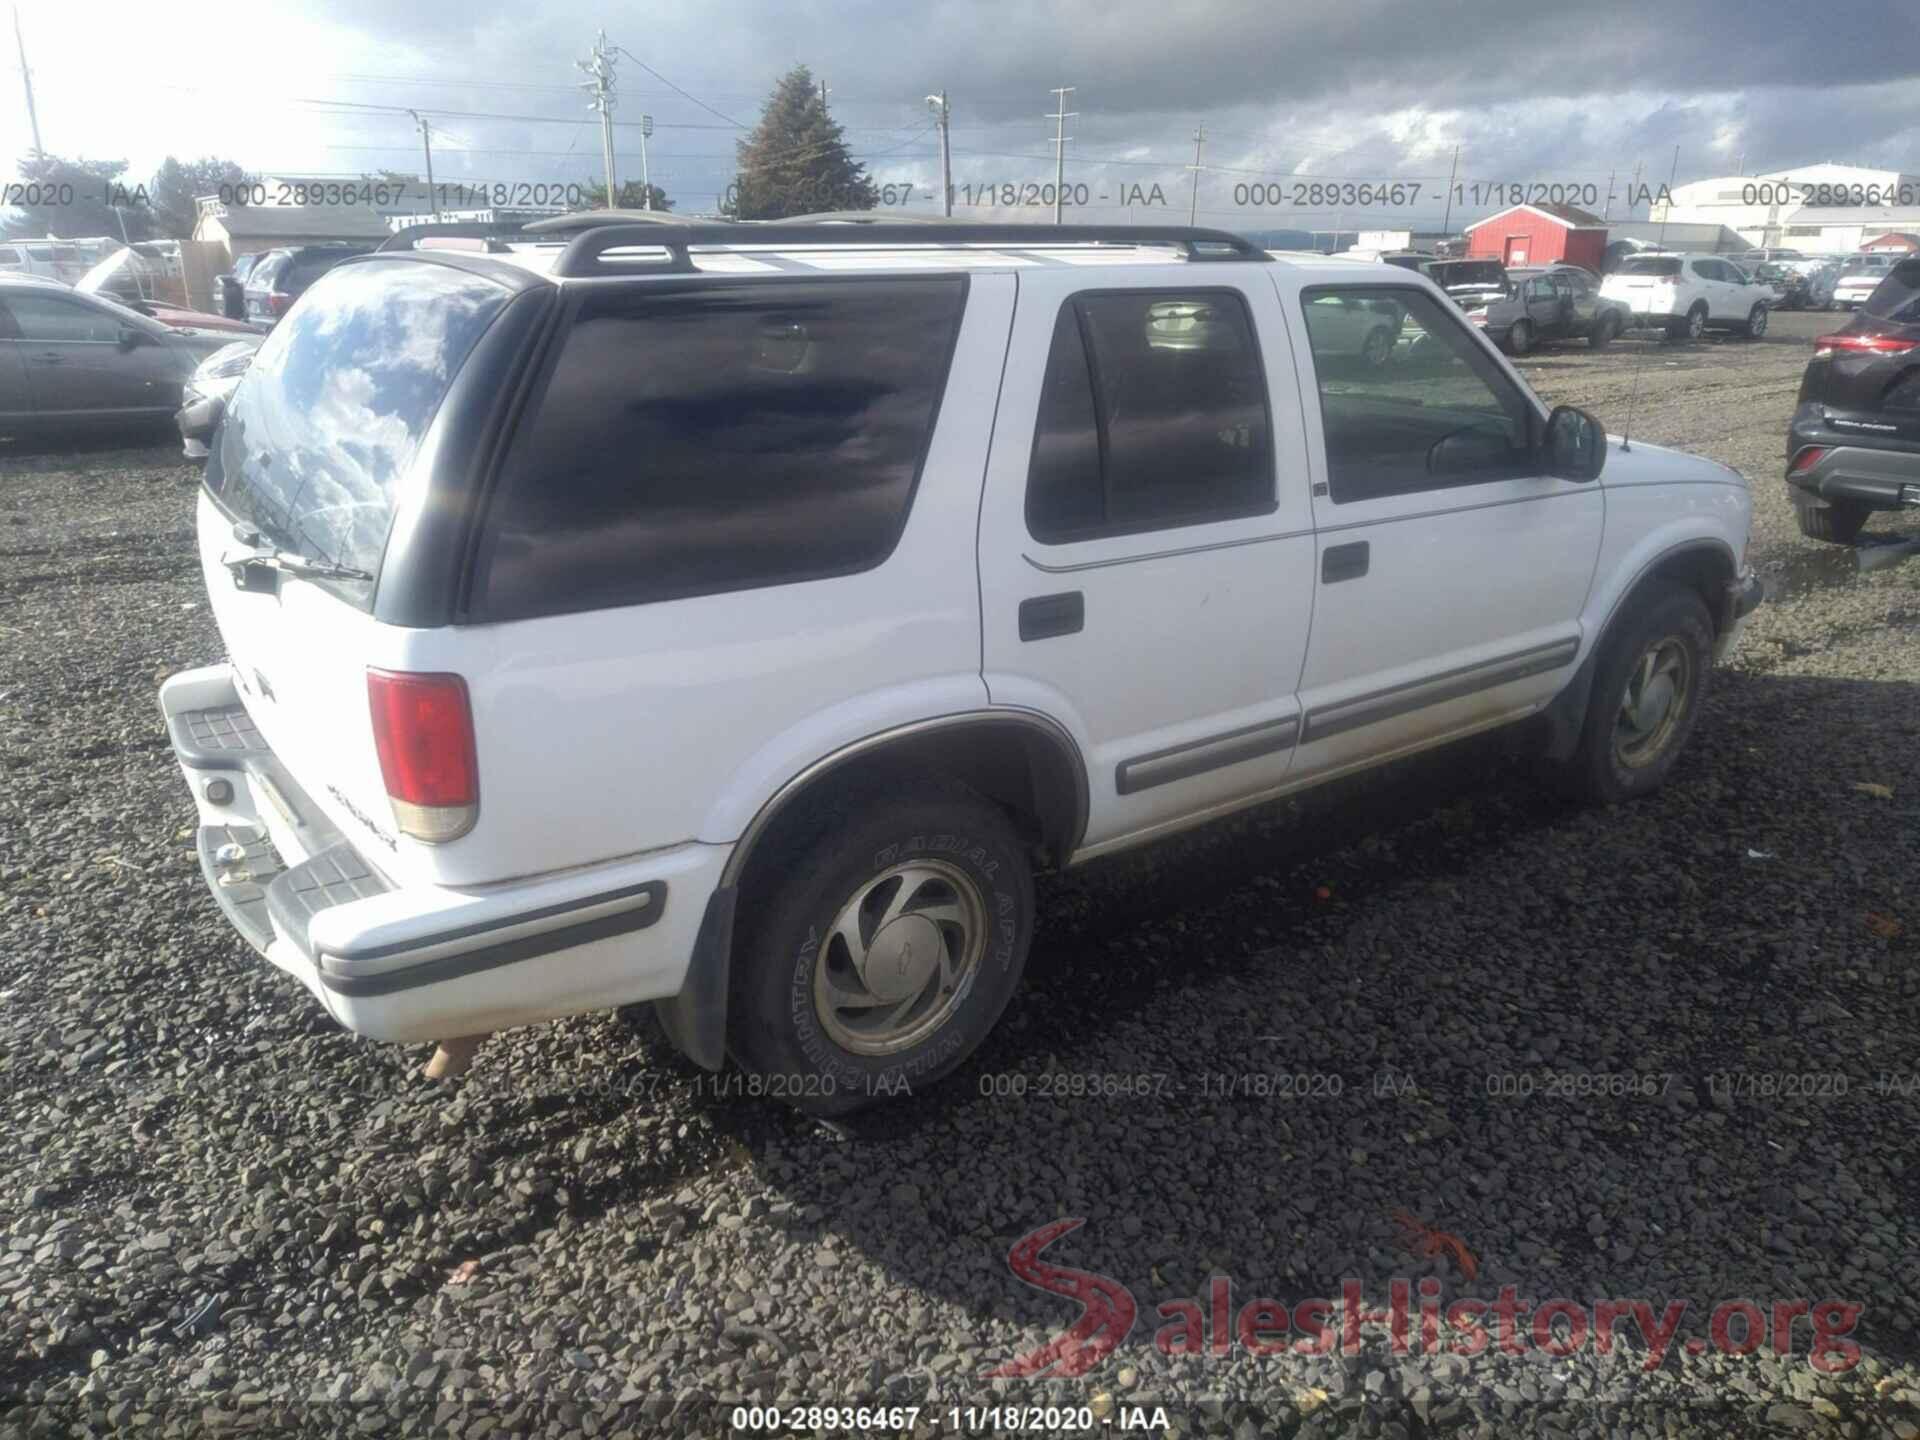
{"points": [[1807, 459], [1862, 345], [423, 731], [278, 303]]}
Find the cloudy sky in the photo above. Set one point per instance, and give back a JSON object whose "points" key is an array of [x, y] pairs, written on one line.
{"points": [[1287, 90]]}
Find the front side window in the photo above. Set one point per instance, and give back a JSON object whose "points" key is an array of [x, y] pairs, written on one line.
{"points": [[1431, 411], [1153, 415], [43, 317], [723, 438]]}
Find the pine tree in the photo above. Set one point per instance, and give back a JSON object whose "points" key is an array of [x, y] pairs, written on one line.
{"points": [[796, 161], [176, 187]]}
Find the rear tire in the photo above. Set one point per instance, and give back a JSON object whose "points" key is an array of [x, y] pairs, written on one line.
{"points": [[880, 957], [1838, 522], [1519, 338], [1648, 684], [1604, 331]]}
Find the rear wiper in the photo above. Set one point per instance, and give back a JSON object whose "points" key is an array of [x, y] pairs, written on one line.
{"points": [[263, 555]]}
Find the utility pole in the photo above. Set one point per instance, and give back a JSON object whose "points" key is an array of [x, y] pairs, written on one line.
{"points": [[1453, 175], [646, 176], [823, 97], [1193, 200], [426, 139], [1060, 117], [1606, 211], [599, 67], [33, 115], [943, 114]]}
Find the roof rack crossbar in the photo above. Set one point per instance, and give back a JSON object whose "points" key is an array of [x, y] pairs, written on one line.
{"points": [[583, 253]]}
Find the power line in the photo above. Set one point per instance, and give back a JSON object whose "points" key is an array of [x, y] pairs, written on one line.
{"points": [[678, 91]]}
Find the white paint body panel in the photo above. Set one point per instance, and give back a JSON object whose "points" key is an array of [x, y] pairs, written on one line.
{"points": [[1190, 632]]}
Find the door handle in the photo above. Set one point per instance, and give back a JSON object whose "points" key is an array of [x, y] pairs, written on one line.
{"points": [[1045, 616], [1343, 562], [49, 357]]}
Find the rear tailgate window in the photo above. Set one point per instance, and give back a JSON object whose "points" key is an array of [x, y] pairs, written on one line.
{"points": [[335, 404], [1648, 266], [1897, 298]]}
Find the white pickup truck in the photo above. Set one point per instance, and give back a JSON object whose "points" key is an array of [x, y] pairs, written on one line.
{"points": [[736, 618]]}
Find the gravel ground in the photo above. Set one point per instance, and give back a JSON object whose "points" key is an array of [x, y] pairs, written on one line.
{"points": [[223, 1214]]}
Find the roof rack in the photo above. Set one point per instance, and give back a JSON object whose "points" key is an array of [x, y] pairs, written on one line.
{"points": [[584, 252], [595, 219], [495, 232]]}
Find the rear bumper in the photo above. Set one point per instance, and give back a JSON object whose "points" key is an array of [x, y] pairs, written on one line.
{"points": [[1882, 479], [413, 961]]}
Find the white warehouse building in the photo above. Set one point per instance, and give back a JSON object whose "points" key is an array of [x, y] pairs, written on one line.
{"points": [[1823, 209]]}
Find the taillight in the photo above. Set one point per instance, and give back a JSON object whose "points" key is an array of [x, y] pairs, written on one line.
{"points": [[278, 301], [423, 731], [1807, 459], [1862, 345]]}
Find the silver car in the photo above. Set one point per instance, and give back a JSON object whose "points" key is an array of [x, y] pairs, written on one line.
{"points": [[69, 358]]}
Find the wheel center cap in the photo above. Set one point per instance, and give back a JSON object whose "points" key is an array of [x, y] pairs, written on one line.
{"points": [[1654, 703], [902, 958]]}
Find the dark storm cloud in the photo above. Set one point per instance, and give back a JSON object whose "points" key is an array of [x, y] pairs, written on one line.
{"points": [[1199, 54]]}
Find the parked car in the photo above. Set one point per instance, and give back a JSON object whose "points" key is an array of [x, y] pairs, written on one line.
{"points": [[1769, 255], [1466, 281], [1859, 276], [1688, 294], [281, 277], [1561, 303], [62, 260], [1853, 445], [753, 660], [207, 393], [230, 287], [1793, 289], [1354, 328], [68, 357]]}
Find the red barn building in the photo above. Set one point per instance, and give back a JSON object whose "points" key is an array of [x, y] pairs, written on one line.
{"points": [[1540, 235]]}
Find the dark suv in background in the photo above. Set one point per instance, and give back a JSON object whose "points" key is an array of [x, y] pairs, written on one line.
{"points": [[1853, 446], [280, 277]]}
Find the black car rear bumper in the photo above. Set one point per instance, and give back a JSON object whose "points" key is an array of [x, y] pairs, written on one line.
{"points": [[1882, 479]]}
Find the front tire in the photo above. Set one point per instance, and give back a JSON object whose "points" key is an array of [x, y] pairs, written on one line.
{"points": [[1756, 325], [1377, 349], [1648, 685], [1519, 338], [1604, 331], [881, 958], [1838, 522]]}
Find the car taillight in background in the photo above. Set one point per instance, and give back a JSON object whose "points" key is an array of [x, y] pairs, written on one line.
{"points": [[278, 301], [423, 731], [1861, 345]]}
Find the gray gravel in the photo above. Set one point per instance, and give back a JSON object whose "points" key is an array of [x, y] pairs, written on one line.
{"points": [[221, 1213]]}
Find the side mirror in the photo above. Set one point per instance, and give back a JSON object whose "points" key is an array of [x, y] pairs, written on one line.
{"points": [[1576, 446], [131, 338]]}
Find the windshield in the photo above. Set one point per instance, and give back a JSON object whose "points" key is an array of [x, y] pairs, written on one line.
{"points": [[1650, 265], [337, 400], [1865, 265]]}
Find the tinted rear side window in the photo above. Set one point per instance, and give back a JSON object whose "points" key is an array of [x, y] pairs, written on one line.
{"points": [[1153, 415], [696, 441], [336, 401]]}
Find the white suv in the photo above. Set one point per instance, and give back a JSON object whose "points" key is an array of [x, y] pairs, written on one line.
{"points": [[737, 617], [1686, 295]]}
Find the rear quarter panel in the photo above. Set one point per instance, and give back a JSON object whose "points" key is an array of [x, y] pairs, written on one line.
{"points": [[614, 731]]}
